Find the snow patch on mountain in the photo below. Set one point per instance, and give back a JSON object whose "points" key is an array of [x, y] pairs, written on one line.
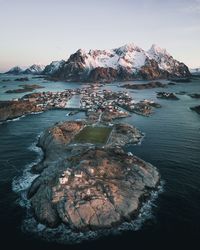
{"points": [[34, 69], [53, 67], [15, 70], [129, 56]]}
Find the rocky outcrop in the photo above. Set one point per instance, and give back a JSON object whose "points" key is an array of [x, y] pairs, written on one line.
{"points": [[22, 79], [97, 189], [53, 67], [89, 187], [196, 109], [25, 88], [148, 85], [195, 95], [101, 74], [167, 95], [13, 109]]}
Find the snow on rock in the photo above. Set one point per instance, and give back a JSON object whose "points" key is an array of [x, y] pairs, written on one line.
{"points": [[52, 67], [34, 69], [127, 62], [15, 70]]}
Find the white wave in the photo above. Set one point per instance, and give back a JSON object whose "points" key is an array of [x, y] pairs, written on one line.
{"points": [[14, 119], [21, 183], [35, 113], [20, 117], [65, 235], [141, 140]]}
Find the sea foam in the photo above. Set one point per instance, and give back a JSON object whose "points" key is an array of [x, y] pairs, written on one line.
{"points": [[64, 235], [21, 183]]}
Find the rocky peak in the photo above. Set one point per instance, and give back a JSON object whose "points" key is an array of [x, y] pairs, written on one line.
{"points": [[34, 69], [78, 57], [15, 70], [128, 48], [53, 67], [155, 50], [127, 62]]}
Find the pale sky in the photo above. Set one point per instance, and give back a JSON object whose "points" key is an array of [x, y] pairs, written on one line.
{"points": [[40, 31]]}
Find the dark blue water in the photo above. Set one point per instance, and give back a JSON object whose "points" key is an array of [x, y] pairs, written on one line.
{"points": [[172, 143]]}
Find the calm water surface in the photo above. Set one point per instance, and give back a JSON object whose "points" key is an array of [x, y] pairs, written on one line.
{"points": [[172, 143]]}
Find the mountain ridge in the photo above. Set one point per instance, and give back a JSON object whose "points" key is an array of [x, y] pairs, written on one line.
{"points": [[128, 62], [34, 69]]}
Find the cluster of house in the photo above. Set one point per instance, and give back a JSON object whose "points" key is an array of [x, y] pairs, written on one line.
{"points": [[67, 173], [50, 99], [92, 99]]}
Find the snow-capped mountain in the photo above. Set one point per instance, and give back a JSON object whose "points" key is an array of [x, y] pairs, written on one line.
{"points": [[34, 69], [53, 67], [15, 70], [124, 63]]}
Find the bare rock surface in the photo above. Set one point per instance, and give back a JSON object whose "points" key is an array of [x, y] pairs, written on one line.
{"points": [[13, 109], [89, 187]]}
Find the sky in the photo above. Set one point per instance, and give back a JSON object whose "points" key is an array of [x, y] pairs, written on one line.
{"points": [[40, 31]]}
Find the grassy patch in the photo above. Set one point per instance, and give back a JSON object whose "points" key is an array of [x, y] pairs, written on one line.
{"points": [[93, 135]]}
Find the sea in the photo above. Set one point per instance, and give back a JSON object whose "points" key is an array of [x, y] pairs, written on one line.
{"points": [[171, 142]]}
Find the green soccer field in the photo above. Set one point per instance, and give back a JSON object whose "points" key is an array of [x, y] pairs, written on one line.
{"points": [[93, 135]]}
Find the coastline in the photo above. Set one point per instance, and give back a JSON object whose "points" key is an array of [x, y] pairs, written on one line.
{"points": [[67, 236]]}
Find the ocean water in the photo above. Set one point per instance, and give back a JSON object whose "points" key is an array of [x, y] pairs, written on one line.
{"points": [[11, 84], [171, 143]]}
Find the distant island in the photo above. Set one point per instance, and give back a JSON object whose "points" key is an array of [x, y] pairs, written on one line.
{"points": [[25, 88]]}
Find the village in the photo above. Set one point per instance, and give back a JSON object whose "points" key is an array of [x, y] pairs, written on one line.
{"points": [[99, 104]]}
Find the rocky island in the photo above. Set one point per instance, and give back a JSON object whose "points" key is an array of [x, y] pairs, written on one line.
{"points": [[196, 109], [167, 95], [144, 86], [91, 185], [13, 109], [195, 95], [25, 88], [22, 79]]}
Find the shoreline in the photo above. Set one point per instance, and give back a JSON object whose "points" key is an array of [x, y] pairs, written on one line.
{"points": [[54, 147], [68, 236]]}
